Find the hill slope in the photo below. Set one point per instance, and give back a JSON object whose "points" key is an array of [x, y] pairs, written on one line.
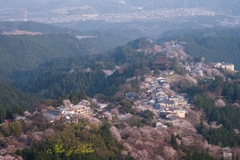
{"points": [[26, 52], [11, 97], [205, 32], [214, 49]]}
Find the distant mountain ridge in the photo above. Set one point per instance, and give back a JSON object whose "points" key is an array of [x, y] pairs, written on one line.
{"points": [[205, 32], [36, 27]]}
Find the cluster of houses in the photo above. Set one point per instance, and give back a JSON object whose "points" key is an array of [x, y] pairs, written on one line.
{"points": [[69, 111], [195, 70], [223, 65], [169, 108]]}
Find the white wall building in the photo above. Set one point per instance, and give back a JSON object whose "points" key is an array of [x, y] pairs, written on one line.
{"points": [[224, 66]]}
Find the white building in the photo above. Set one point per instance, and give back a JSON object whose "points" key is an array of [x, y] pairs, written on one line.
{"points": [[181, 113], [102, 105], [224, 66]]}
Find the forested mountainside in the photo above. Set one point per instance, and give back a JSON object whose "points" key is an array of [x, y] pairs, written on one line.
{"points": [[204, 32], [214, 49], [85, 73], [11, 97], [110, 39], [26, 52], [215, 44]]}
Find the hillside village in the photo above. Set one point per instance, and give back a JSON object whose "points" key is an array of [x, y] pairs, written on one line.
{"points": [[172, 111], [156, 92]]}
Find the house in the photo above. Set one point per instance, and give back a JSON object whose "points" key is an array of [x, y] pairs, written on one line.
{"points": [[151, 103], [132, 95], [88, 70], [172, 119], [161, 63], [181, 113], [84, 102], [160, 78], [71, 120], [102, 105], [8, 120], [52, 115], [67, 103], [170, 103], [224, 66], [81, 109], [76, 109], [20, 118], [148, 91], [175, 99], [158, 124]]}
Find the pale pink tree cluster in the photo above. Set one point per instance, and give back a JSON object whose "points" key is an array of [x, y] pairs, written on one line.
{"points": [[124, 153], [87, 128], [139, 108], [168, 152], [49, 132], [91, 120], [142, 142], [127, 147], [213, 72], [115, 133], [190, 79], [169, 92], [115, 111], [220, 103], [108, 116]]}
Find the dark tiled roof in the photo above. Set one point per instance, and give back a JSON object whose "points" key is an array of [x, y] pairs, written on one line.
{"points": [[161, 60]]}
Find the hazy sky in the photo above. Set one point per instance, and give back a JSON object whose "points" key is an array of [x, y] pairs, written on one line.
{"points": [[103, 4]]}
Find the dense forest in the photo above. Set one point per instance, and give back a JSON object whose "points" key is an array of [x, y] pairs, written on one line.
{"points": [[214, 49], [11, 97], [26, 52], [75, 74]]}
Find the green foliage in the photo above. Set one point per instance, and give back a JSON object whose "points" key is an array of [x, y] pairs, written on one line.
{"points": [[12, 129], [228, 116], [27, 52], [148, 115], [126, 106], [11, 97], [71, 137], [173, 142], [176, 67], [214, 49], [141, 43], [18, 110], [135, 121], [3, 114], [222, 137], [199, 156], [156, 72]]}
